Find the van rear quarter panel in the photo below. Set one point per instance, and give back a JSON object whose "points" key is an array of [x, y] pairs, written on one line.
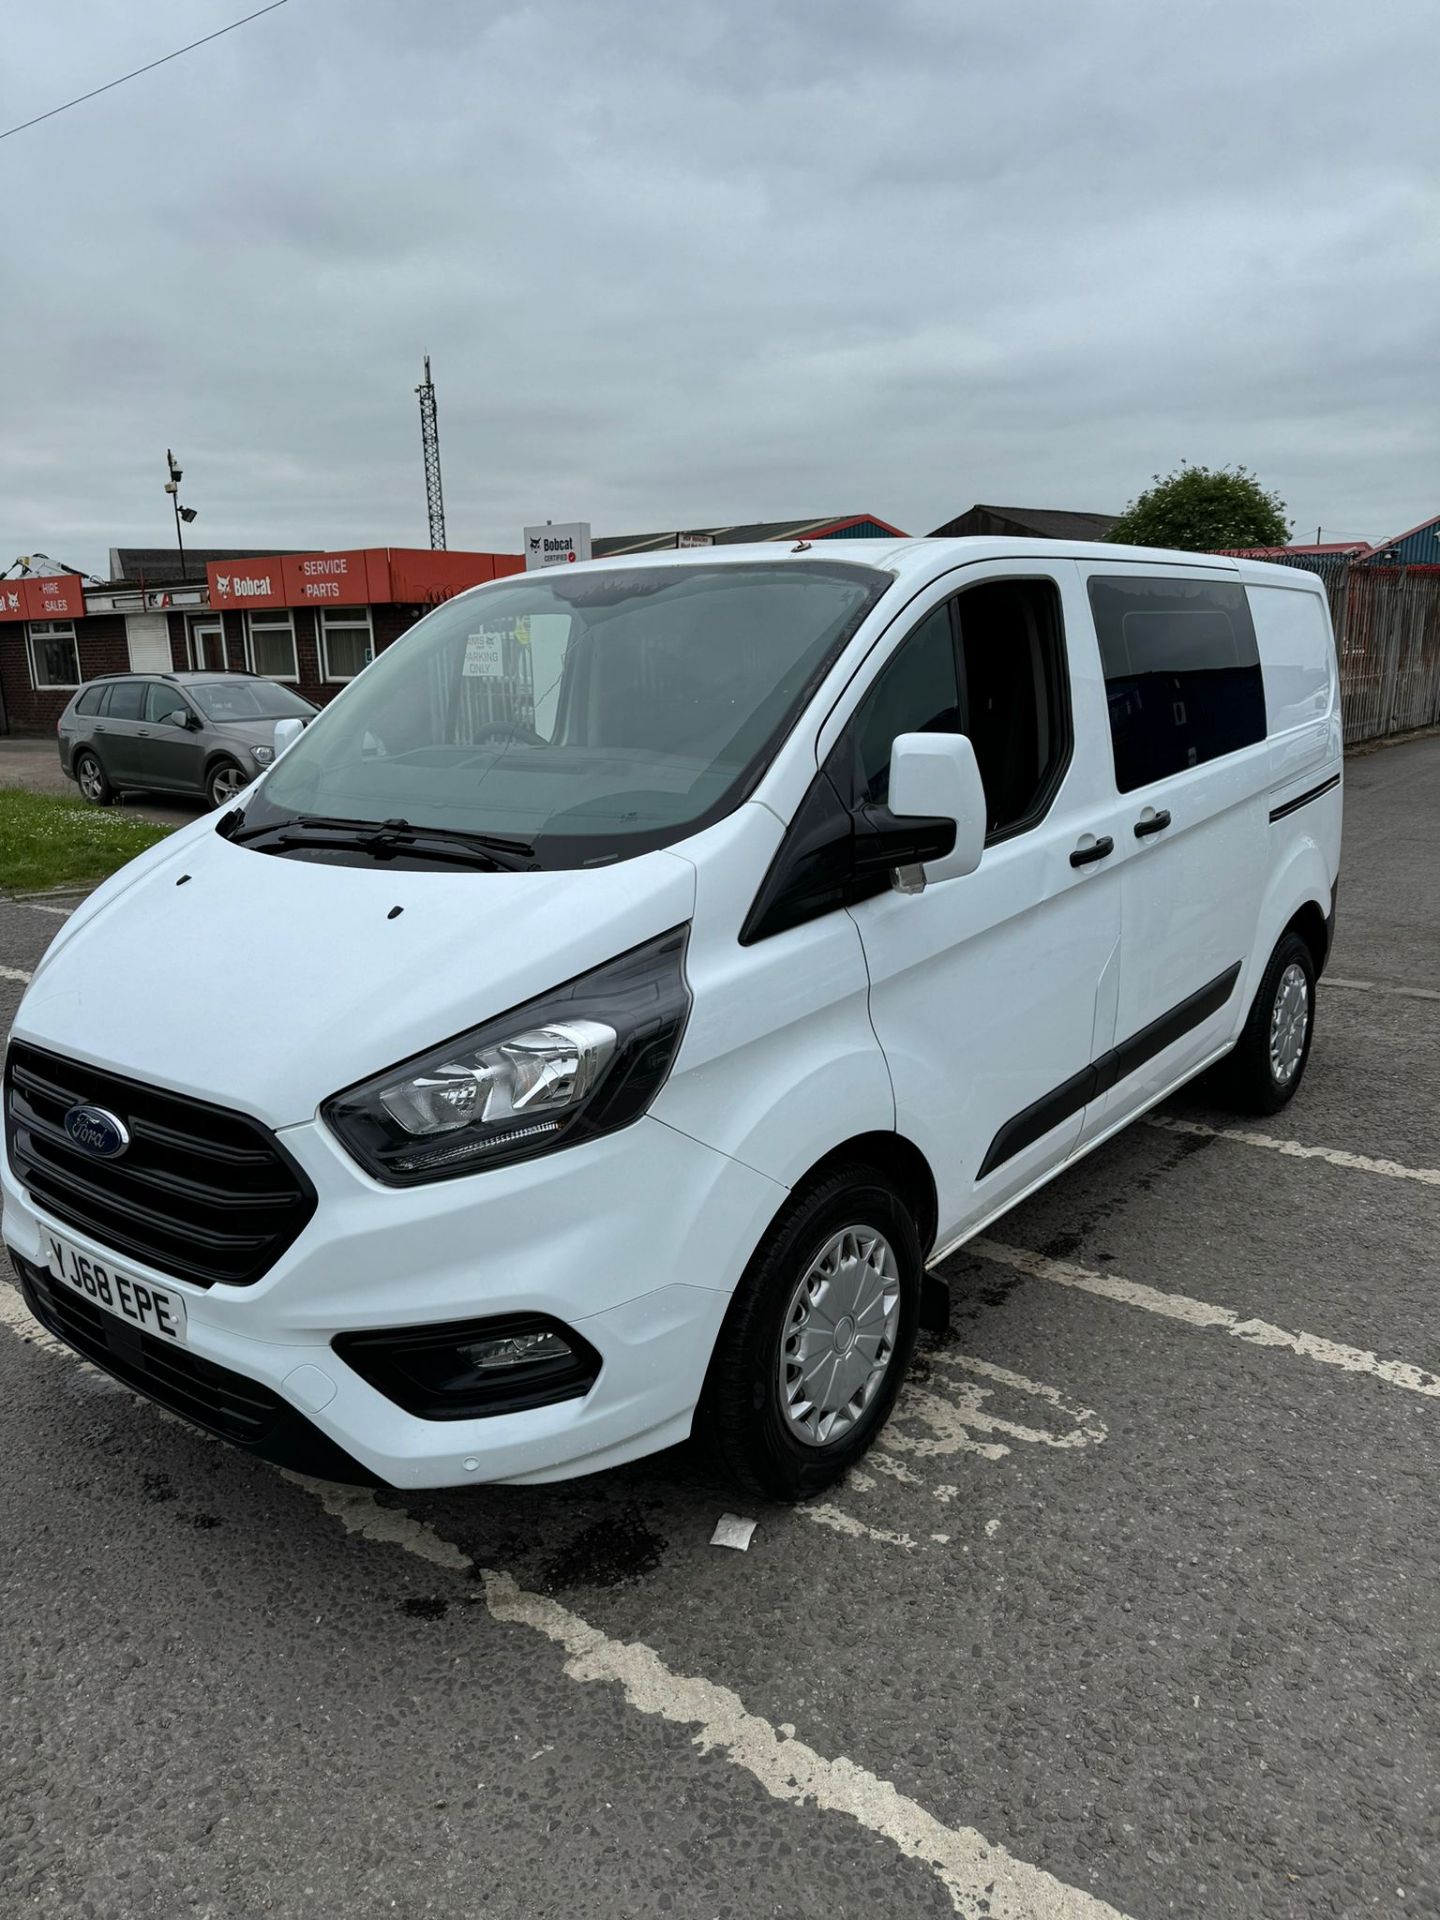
{"points": [[1297, 655], [1305, 743]]}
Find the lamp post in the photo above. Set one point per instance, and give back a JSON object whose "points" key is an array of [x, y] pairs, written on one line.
{"points": [[186, 514]]}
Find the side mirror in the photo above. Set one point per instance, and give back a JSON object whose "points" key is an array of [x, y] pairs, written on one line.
{"points": [[177, 717], [287, 732], [935, 776]]}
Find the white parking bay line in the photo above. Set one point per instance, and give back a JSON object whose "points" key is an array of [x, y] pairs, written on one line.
{"points": [[13, 973], [1334, 1156], [1200, 1313], [979, 1876], [1376, 986], [824, 1514], [38, 906]]}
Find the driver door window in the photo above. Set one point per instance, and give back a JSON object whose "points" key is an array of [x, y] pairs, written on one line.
{"points": [[919, 692], [988, 663], [160, 701]]}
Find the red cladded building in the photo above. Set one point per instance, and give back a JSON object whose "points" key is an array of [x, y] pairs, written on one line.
{"points": [[311, 620]]}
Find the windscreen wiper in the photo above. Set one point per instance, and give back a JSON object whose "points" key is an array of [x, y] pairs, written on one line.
{"points": [[384, 839]]}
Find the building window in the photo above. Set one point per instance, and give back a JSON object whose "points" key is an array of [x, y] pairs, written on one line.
{"points": [[54, 656], [272, 645], [346, 642]]}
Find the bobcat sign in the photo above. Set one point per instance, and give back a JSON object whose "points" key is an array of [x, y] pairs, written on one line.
{"points": [[557, 543]]}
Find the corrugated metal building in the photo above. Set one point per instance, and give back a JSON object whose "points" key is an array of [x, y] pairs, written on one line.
{"points": [[845, 526], [1420, 547], [1027, 523]]}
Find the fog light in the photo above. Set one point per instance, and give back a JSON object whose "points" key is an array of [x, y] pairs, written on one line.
{"points": [[462, 1370], [516, 1350]]}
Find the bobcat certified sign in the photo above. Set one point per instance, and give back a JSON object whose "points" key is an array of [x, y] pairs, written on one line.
{"points": [[557, 544]]}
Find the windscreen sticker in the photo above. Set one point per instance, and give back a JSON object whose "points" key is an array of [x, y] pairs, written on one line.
{"points": [[485, 655]]}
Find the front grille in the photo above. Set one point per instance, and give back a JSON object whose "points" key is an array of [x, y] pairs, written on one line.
{"points": [[201, 1193], [198, 1390], [185, 1383]]}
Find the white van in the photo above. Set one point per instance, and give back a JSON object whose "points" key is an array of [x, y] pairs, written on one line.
{"points": [[592, 1027]]}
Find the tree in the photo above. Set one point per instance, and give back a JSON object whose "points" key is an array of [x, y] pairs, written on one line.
{"points": [[1201, 508]]}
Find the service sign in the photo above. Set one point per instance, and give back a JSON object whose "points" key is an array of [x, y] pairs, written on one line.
{"points": [[51, 596], [325, 579], [557, 543]]}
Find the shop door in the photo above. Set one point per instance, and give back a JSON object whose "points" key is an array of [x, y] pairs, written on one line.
{"points": [[207, 646]]}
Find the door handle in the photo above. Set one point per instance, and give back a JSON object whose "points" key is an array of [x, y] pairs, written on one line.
{"points": [[142, 733], [1097, 850], [1152, 823]]}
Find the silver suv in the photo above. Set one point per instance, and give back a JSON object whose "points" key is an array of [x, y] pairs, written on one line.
{"points": [[203, 733]]}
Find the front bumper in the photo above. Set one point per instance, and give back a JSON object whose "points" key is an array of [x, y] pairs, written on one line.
{"points": [[636, 1240]]}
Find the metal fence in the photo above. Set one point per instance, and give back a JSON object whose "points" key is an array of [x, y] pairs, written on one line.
{"points": [[1387, 630], [1387, 626]]}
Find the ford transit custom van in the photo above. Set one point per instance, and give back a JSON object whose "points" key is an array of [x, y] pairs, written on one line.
{"points": [[590, 1030]]}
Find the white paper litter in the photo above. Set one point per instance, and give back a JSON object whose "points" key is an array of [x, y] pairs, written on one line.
{"points": [[732, 1531]]}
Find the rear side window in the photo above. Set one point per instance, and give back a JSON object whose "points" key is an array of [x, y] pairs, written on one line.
{"points": [[126, 697], [1297, 655], [91, 700], [1182, 673]]}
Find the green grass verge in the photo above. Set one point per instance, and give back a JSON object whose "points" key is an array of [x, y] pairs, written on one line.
{"points": [[50, 841]]}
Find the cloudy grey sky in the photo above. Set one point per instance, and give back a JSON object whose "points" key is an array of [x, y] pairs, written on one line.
{"points": [[681, 263]]}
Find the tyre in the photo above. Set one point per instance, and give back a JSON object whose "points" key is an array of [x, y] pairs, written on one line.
{"points": [[817, 1339], [224, 780], [92, 779], [1268, 1064]]}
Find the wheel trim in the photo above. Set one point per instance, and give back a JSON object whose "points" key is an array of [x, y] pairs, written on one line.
{"points": [[838, 1336], [91, 778], [1289, 1024], [225, 783]]}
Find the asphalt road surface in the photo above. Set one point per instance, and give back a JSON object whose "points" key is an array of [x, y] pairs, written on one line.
{"points": [[1134, 1611]]}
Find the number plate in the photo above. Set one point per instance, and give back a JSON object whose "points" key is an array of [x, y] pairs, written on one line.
{"points": [[153, 1309]]}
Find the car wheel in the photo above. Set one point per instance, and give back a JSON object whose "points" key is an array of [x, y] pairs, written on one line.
{"points": [[1268, 1063], [92, 780], [817, 1339], [224, 780]]}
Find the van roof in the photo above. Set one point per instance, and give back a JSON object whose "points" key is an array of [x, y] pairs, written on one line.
{"points": [[922, 559]]}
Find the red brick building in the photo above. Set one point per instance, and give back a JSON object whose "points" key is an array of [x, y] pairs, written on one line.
{"points": [[311, 620]]}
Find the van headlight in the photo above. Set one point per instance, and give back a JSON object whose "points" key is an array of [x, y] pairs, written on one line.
{"points": [[580, 1061]]}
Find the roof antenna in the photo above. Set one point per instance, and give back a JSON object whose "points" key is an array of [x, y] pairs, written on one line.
{"points": [[801, 546]]}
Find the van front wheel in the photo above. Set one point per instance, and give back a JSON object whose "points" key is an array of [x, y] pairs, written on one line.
{"points": [[1268, 1064], [817, 1339]]}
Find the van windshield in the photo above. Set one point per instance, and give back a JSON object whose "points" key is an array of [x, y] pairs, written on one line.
{"points": [[586, 716]]}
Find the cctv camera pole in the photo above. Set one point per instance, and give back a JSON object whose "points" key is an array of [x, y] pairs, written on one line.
{"points": [[172, 487]]}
